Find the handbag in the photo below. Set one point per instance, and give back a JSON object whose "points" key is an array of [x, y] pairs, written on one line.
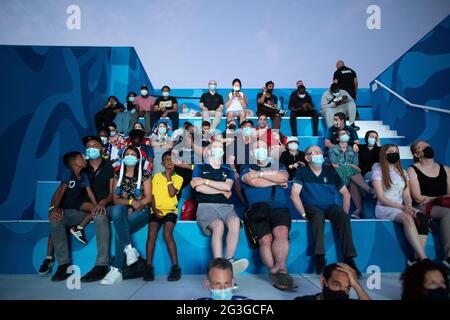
{"points": [[258, 212]]}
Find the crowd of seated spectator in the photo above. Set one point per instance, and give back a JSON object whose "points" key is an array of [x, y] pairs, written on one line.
{"points": [[134, 173]]}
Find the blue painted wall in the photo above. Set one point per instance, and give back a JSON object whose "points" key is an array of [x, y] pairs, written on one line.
{"points": [[422, 76], [380, 243], [49, 98]]}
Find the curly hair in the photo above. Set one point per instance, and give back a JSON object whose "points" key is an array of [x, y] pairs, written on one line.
{"points": [[413, 279]]}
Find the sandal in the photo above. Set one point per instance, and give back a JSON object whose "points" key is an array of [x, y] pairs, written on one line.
{"points": [[282, 281]]}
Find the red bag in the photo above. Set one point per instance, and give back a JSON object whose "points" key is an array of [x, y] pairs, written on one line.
{"points": [[443, 201], [189, 210]]}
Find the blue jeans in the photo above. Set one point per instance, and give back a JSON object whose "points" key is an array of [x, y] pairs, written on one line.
{"points": [[125, 225]]}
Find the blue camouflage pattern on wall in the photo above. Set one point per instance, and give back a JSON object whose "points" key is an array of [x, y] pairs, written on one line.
{"points": [[380, 243], [422, 76], [49, 98]]}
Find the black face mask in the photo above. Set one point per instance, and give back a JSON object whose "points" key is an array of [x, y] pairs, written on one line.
{"points": [[428, 153], [438, 294], [232, 126], [269, 90], [329, 294], [393, 157]]}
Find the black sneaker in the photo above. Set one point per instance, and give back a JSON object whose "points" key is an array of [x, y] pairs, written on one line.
{"points": [[46, 265], [321, 262], [135, 271], [446, 263], [97, 273], [411, 262], [149, 273], [355, 127], [351, 263], [175, 273], [79, 234], [61, 273]]}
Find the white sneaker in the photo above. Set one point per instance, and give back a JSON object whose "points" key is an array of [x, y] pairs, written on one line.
{"points": [[112, 277], [132, 254], [356, 214], [239, 265]]}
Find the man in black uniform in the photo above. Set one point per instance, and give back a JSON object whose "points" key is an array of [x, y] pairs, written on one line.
{"points": [[346, 78]]}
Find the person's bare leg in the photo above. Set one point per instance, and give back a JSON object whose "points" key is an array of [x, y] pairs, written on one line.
{"points": [[153, 229], [280, 248], [217, 229], [229, 116], [411, 234], [358, 179], [265, 250], [356, 196], [233, 225], [242, 116], [170, 241]]}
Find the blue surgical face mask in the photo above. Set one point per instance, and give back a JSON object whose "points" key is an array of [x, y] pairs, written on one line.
{"points": [[217, 153], [130, 161], [344, 138], [212, 87], [261, 154], [162, 130], [336, 94], [186, 110], [112, 133], [131, 99], [224, 294], [317, 160], [93, 153], [247, 131], [165, 94], [371, 141]]}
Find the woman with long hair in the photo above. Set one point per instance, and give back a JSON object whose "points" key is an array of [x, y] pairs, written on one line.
{"points": [[391, 186], [132, 197]]}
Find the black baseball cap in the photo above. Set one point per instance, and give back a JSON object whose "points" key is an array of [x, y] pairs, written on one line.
{"points": [[86, 139], [245, 122]]}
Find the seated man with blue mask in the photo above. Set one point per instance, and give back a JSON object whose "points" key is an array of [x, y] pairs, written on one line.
{"points": [[316, 192], [219, 281], [268, 220], [212, 182]]}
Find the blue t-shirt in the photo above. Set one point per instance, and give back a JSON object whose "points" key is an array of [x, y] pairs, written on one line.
{"points": [[255, 194], [75, 193], [206, 171], [319, 191]]}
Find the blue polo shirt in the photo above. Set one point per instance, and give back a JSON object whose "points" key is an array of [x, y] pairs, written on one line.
{"points": [[206, 171], [319, 191], [256, 194]]}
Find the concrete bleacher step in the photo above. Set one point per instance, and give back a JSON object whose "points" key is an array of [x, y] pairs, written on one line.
{"points": [[304, 126], [379, 243]]}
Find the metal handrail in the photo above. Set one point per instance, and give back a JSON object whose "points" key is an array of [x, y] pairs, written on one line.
{"points": [[419, 106]]}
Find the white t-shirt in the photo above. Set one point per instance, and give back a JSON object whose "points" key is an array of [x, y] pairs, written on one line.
{"points": [[395, 192], [235, 105]]}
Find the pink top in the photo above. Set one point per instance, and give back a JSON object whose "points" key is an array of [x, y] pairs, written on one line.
{"points": [[145, 104]]}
